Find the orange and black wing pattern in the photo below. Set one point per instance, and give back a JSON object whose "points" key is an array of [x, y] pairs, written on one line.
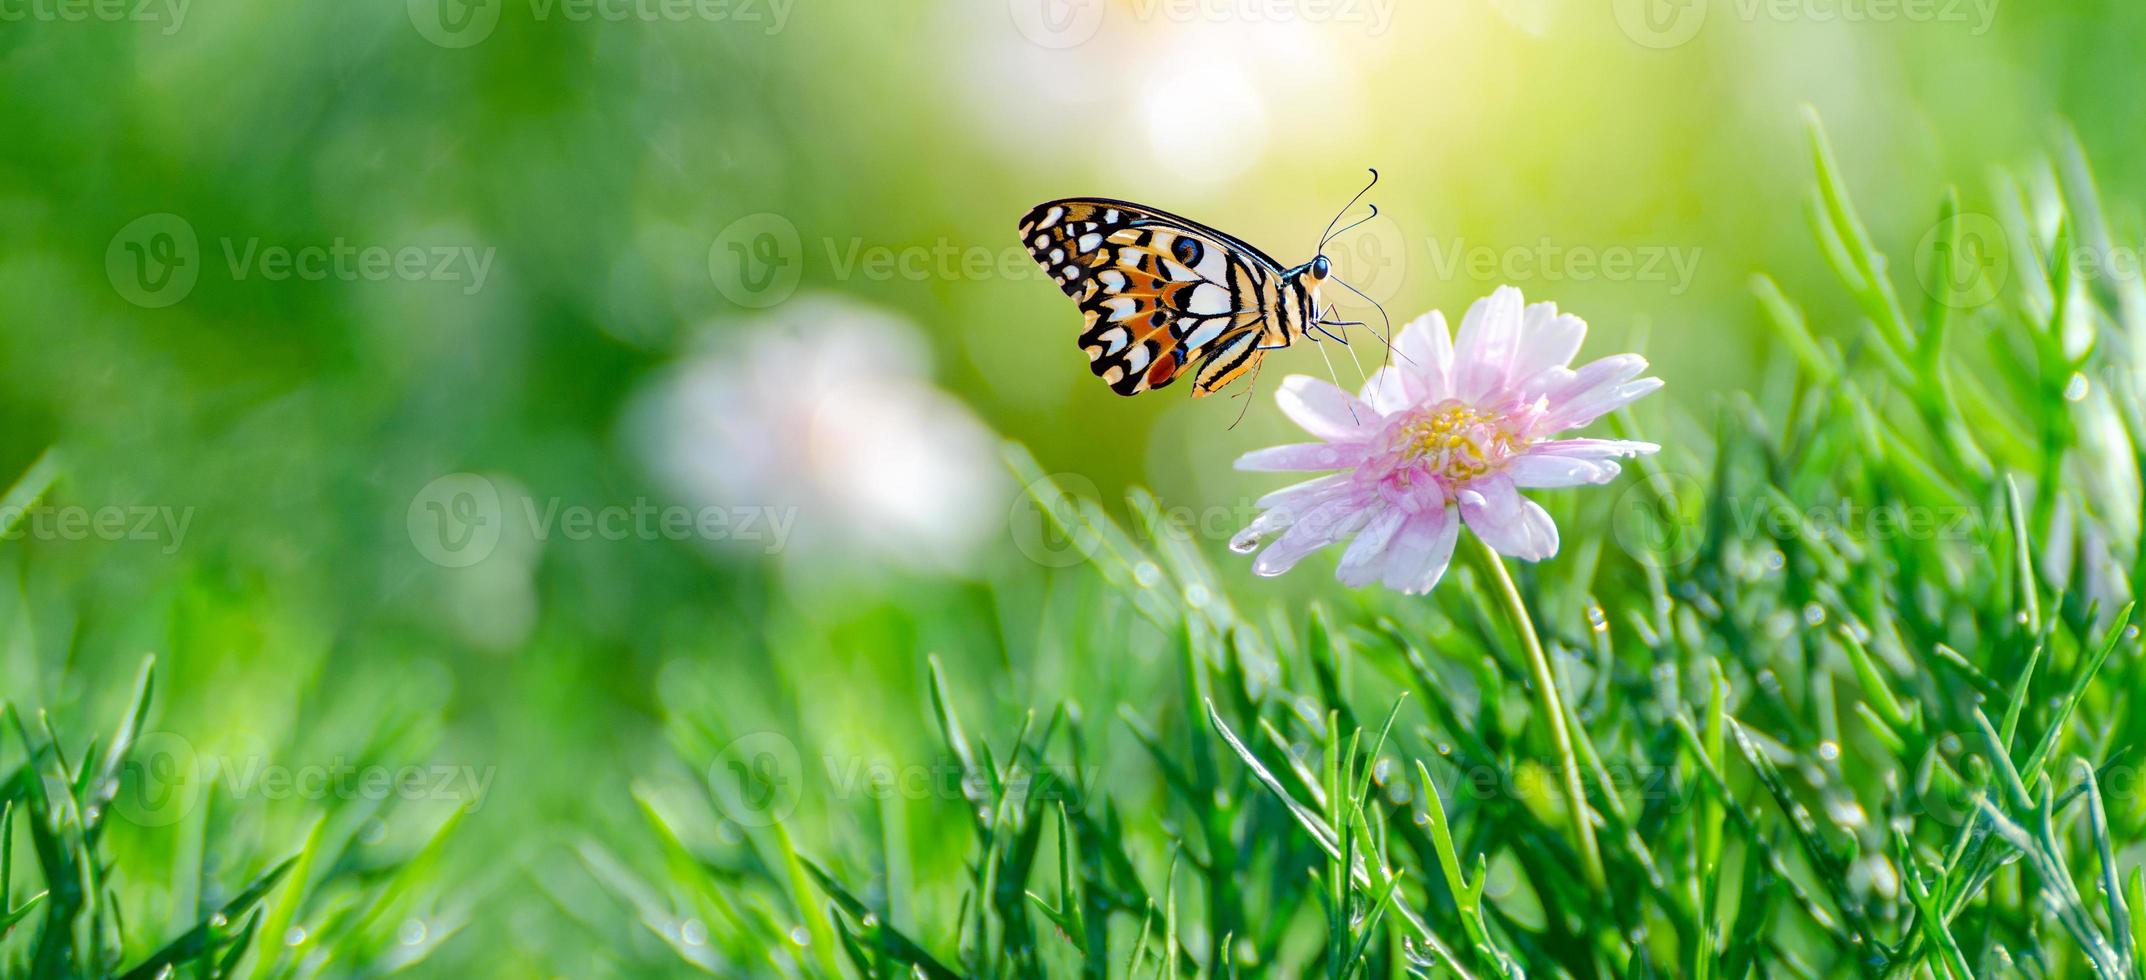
{"points": [[1159, 292]]}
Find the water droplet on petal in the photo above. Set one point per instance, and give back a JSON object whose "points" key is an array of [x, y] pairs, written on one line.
{"points": [[2075, 389], [1814, 614]]}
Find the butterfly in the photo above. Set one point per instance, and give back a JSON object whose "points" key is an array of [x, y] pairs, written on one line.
{"points": [[1161, 292]]}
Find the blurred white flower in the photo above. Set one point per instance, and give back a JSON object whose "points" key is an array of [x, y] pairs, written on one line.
{"points": [[819, 414]]}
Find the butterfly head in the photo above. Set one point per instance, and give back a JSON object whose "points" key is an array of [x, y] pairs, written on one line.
{"points": [[1319, 269]]}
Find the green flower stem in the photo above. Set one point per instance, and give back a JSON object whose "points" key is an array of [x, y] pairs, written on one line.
{"points": [[1553, 711]]}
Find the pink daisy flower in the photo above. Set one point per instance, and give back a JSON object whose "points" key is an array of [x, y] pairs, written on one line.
{"points": [[1448, 434]]}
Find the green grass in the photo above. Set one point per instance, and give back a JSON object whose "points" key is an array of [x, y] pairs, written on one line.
{"points": [[1720, 735], [1886, 747], [123, 855]]}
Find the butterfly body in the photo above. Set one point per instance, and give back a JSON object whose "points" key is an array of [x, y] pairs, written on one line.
{"points": [[1161, 293]]}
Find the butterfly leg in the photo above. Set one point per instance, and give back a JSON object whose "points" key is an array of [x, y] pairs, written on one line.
{"points": [[1330, 373]]}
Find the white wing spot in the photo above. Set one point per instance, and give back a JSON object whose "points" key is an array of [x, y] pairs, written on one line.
{"points": [[1121, 307], [1208, 299], [1115, 338], [1207, 332], [1051, 217], [1214, 266], [1111, 278], [1138, 359], [1089, 242]]}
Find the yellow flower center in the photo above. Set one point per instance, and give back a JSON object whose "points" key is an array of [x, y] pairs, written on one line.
{"points": [[1456, 442]]}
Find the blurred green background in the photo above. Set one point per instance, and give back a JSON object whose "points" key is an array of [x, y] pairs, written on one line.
{"points": [[753, 263]]}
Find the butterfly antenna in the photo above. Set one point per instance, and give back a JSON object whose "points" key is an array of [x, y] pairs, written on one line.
{"points": [[1327, 235], [1345, 229]]}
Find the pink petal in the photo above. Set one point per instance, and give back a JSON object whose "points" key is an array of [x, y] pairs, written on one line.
{"points": [[1549, 470], [1599, 373], [1599, 402], [1390, 390], [1489, 337], [1324, 410], [1417, 557], [1509, 523], [1547, 340], [1301, 498], [1425, 349], [1301, 456], [1595, 448], [1318, 529], [1365, 561]]}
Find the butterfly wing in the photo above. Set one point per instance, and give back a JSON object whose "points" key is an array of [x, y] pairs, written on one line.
{"points": [[1159, 291]]}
